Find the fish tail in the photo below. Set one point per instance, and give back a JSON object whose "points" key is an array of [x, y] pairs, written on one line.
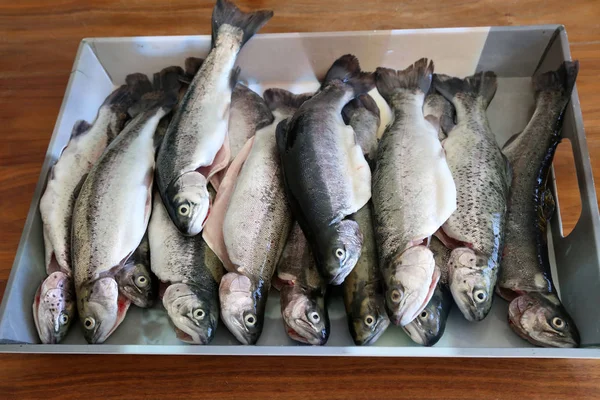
{"points": [[416, 77], [278, 98], [164, 94], [347, 69], [136, 85], [481, 86], [260, 109], [562, 80], [363, 101], [192, 66], [227, 13]]}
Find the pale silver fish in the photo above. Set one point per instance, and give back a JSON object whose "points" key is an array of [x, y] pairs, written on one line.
{"points": [[195, 145], [112, 211], [135, 280], [327, 177], [413, 193], [475, 231], [54, 302], [429, 326], [535, 312], [440, 113], [302, 292], [192, 273]]}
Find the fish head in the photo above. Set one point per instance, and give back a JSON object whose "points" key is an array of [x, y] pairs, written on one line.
{"points": [[137, 283], [472, 283], [305, 315], [242, 306], [411, 285], [542, 320], [193, 311], [101, 309], [369, 320], [341, 251], [54, 307], [429, 326], [187, 201]]}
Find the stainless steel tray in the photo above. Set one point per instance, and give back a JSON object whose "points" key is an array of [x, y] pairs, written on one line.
{"points": [[295, 61]]}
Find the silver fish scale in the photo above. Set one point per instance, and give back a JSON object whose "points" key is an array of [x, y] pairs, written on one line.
{"points": [[480, 173], [298, 262], [521, 268]]}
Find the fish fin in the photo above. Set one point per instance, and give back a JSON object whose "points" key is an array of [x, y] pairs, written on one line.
{"points": [[119, 101], [363, 101], [260, 110], [281, 98], [193, 65], [227, 13], [164, 95], [80, 128], [347, 69], [234, 77], [482, 86], [416, 76], [435, 122], [562, 80]]}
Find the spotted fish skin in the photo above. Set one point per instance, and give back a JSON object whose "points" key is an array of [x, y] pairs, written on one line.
{"points": [[476, 229]]}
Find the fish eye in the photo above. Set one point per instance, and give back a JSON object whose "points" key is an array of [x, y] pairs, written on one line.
{"points": [[340, 253], [89, 323], [199, 313], [141, 281], [423, 314], [63, 319], [183, 210], [558, 323], [479, 295], [369, 320], [250, 320], [314, 317], [396, 296]]}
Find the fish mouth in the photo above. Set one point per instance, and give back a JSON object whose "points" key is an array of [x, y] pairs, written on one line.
{"points": [[187, 338], [305, 333], [379, 329]]}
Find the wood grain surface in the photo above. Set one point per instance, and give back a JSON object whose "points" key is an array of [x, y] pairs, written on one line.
{"points": [[38, 41]]}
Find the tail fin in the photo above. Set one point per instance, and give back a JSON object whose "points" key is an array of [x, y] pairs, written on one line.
{"points": [[362, 102], [482, 85], [562, 80], [136, 85], [347, 69], [192, 66], [280, 98], [227, 13], [416, 77], [164, 94], [252, 104]]}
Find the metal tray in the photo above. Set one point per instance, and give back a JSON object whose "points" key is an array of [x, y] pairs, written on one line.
{"points": [[295, 61]]}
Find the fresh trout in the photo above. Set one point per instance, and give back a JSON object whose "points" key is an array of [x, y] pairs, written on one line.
{"points": [[327, 177], [254, 225], [302, 292], [54, 303], [429, 326], [191, 273], [413, 193], [362, 114], [535, 312], [111, 213], [440, 113], [195, 145], [475, 231], [135, 280]]}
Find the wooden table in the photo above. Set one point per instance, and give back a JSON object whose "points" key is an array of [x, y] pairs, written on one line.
{"points": [[38, 41]]}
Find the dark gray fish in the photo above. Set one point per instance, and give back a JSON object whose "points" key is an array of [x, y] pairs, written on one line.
{"points": [[302, 292], [413, 193], [364, 297], [54, 302], [327, 177], [195, 147], [440, 113], [429, 326], [362, 114], [475, 231], [135, 280], [111, 214], [191, 273], [535, 312]]}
